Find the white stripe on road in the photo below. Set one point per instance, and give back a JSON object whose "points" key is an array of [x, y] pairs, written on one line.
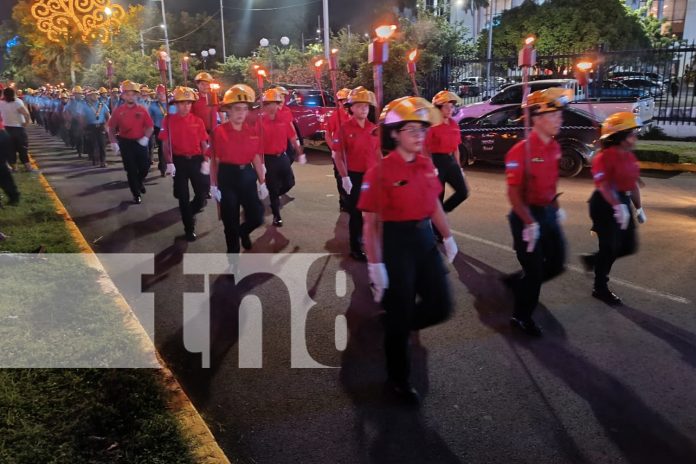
{"points": [[625, 283]]}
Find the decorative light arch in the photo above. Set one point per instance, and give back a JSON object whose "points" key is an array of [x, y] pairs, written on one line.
{"points": [[56, 18]]}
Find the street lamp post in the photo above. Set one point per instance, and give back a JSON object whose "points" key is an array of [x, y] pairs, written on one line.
{"points": [[142, 40], [166, 42], [222, 31], [326, 28], [205, 54]]}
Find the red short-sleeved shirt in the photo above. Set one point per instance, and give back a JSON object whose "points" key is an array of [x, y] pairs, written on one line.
{"points": [[331, 125], [130, 122], [207, 113], [443, 138], [400, 190], [275, 134], [359, 145], [285, 114], [187, 133], [617, 167], [232, 146], [540, 175]]}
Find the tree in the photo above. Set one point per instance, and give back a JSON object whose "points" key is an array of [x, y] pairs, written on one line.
{"points": [[561, 24]]}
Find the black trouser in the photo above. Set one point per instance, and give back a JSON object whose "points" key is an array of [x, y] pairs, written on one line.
{"points": [[77, 136], [449, 172], [161, 163], [355, 219], [188, 169], [418, 295], [613, 242], [545, 262], [342, 196], [7, 182], [237, 185], [97, 143], [279, 179], [135, 163], [20, 144]]}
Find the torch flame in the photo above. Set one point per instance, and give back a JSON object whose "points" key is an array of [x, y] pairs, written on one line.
{"points": [[186, 58], [262, 72], [385, 32], [413, 55], [584, 65], [334, 51], [529, 40], [319, 63], [214, 86]]}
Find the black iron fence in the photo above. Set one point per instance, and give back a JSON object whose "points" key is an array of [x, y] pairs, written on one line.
{"points": [[668, 75]]}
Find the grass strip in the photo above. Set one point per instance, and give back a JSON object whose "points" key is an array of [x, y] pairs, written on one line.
{"points": [[71, 415], [666, 151]]}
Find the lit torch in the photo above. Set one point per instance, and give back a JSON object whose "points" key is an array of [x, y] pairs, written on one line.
{"points": [[110, 72], [377, 55], [185, 69], [318, 65], [333, 69], [260, 76], [526, 59], [411, 69]]}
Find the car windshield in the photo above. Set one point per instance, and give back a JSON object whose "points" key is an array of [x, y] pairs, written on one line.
{"points": [[314, 99]]}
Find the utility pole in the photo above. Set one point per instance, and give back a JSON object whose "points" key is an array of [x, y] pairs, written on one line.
{"points": [[327, 48], [222, 29]]}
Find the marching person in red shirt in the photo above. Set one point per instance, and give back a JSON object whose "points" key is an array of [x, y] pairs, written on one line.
{"points": [[275, 132], [616, 173], [531, 168], [204, 109], [442, 143], [357, 149], [184, 141], [130, 129], [285, 113], [331, 126], [236, 167], [400, 202]]}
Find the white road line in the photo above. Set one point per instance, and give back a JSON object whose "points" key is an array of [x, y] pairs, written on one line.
{"points": [[625, 283]]}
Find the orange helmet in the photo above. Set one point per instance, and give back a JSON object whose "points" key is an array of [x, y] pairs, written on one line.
{"points": [[410, 109], [184, 94], [342, 94], [239, 93], [445, 96], [203, 76], [362, 95], [619, 122], [272, 96], [129, 86], [548, 100]]}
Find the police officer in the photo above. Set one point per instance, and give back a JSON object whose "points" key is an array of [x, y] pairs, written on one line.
{"points": [[96, 115], [132, 127], [616, 172], [236, 167], [442, 143], [275, 133], [75, 111], [115, 99], [531, 168], [400, 204], [357, 149], [331, 126], [158, 110], [185, 141]]}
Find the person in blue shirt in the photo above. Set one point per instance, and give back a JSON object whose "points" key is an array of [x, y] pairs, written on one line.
{"points": [[158, 110], [95, 114]]}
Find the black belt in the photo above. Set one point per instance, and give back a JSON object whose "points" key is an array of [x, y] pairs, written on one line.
{"points": [[405, 225], [274, 154], [237, 166], [442, 154]]}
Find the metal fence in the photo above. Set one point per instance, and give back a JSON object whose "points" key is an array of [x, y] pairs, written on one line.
{"points": [[666, 74]]}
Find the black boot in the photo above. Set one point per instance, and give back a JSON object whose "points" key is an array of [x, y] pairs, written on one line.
{"points": [[607, 296]]}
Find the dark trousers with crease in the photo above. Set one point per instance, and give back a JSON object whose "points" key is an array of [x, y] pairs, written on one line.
{"points": [[97, 142], [418, 295], [614, 243], [545, 262], [355, 219], [279, 179], [19, 143], [189, 170], [237, 184], [161, 163], [449, 172], [135, 163]]}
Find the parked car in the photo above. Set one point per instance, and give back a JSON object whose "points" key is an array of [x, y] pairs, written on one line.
{"points": [[310, 109], [601, 108], [655, 89], [616, 90], [467, 88], [655, 77], [491, 136]]}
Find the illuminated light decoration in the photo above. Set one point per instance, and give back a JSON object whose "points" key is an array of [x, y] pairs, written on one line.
{"points": [[56, 18], [13, 42]]}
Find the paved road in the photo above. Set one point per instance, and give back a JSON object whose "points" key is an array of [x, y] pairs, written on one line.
{"points": [[603, 386]]}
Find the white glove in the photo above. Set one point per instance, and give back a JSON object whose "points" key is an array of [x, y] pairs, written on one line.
{"points": [[302, 159], [205, 168], [171, 170], [379, 280], [640, 215], [463, 175], [451, 249], [561, 215], [144, 141], [622, 215], [333, 155], [215, 193], [115, 148], [530, 234], [347, 184], [263, 191]]}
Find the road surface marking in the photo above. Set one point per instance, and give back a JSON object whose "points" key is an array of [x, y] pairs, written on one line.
{"points": [[625, 283]]}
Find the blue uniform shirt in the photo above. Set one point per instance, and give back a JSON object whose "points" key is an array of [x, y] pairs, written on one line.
{"points": [[95, 113]]}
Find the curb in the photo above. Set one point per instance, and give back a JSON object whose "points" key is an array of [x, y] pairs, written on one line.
{"points": [[205, 450], [682, 167]]}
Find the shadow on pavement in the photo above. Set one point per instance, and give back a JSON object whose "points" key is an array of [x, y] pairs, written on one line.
{"points": [[122, 238], [641, 434]]}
